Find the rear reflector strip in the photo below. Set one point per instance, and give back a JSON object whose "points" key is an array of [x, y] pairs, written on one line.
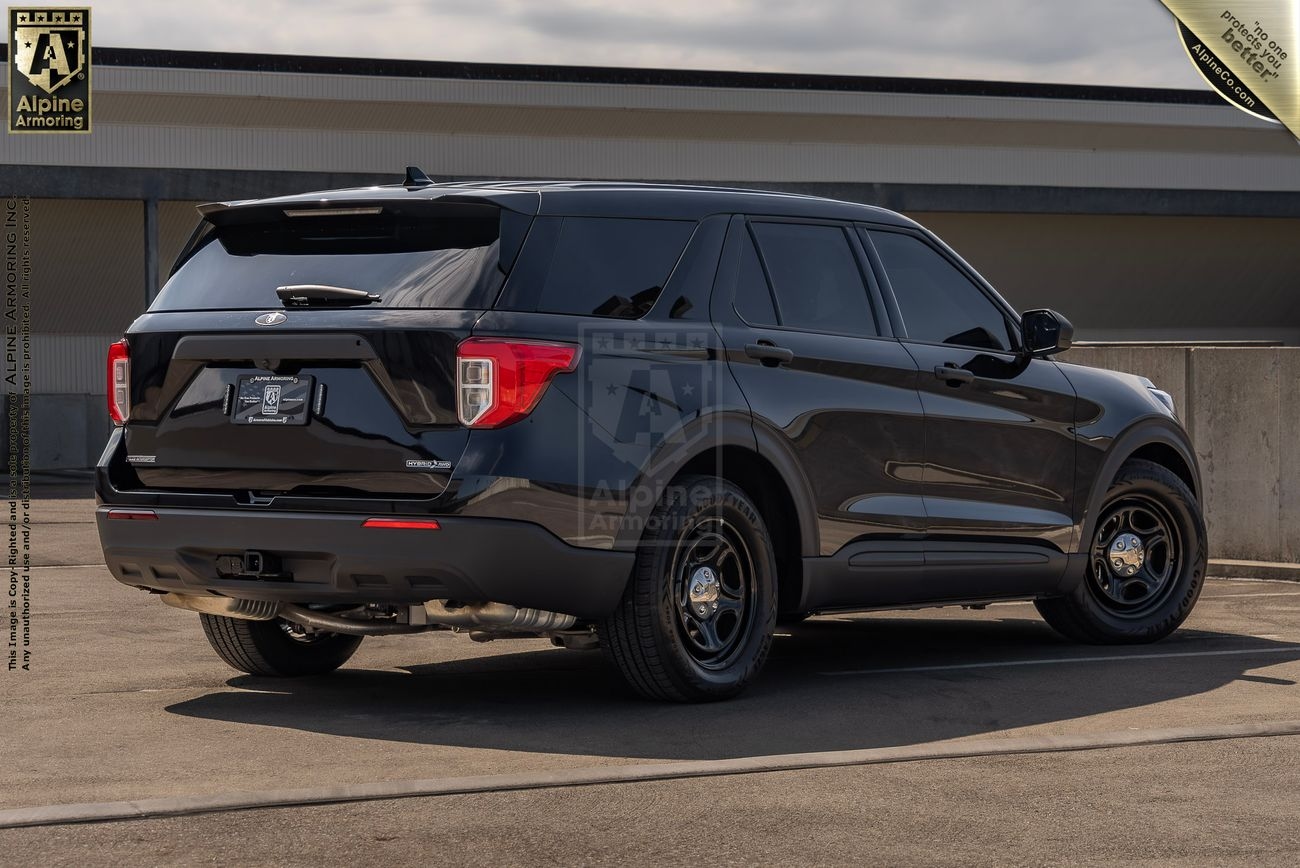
{"points": [[400, 524], [133, 514]]}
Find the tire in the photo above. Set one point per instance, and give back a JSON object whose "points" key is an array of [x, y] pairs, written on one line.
{"points": [[1111, 606], [705, 550], [268, 648]]}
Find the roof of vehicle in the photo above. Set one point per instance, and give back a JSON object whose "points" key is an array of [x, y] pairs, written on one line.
{"points": [[583, 199]]}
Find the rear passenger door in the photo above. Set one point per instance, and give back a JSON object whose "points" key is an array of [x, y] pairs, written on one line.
{"points": [[999, 441], [802, 329]]}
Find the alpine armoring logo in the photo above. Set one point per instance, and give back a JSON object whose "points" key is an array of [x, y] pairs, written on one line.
{"points": [[645, 394], [49, 70]]}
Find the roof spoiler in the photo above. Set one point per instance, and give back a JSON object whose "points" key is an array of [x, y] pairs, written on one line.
{"points": [[274, 210]]}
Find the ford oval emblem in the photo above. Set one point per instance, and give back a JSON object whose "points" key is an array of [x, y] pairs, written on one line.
{"points": [[270, 319]]}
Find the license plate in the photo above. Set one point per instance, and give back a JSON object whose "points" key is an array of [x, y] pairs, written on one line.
{"points": [[268, 399]]}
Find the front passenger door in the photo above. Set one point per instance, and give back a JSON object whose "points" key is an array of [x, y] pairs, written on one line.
{"points": [[999, 443]]}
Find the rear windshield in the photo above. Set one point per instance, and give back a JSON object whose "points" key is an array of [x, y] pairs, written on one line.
{"points": [[421, 262]]}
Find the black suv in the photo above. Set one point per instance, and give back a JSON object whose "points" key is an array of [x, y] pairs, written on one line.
{"points": [[654, 419]]}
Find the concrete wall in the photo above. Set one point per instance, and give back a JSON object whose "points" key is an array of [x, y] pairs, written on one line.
{"points": [[68, 431], [1242, 409]]}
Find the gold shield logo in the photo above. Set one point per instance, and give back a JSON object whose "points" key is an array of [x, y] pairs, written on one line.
{"points": [[50, 46], [49, 70]]}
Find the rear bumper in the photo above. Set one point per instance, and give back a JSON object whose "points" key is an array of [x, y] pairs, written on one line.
{"points": [[333, 559]]}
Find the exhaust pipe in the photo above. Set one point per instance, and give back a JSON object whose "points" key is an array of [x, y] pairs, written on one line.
{"points": [[494, 617], [351, 626], [268, 610]]}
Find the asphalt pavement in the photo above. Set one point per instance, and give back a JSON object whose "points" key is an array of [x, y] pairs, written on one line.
{"points": [[126, 702]]}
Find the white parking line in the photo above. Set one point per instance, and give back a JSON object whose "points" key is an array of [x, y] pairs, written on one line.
{"points": [[1057, 661], [177, 806], [1268, 594]]}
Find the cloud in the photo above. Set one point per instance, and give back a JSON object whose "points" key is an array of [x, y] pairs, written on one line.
{"points": [[1125, 42]]}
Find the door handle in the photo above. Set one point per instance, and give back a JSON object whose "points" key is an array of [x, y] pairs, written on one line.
{"points": [[953, 375], [769, 353]]}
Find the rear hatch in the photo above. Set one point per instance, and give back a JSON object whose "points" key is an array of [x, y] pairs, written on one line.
{"points": [[309, 348]]}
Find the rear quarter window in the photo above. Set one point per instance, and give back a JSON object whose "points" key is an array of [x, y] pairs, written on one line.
{"points": [[610, 266]]}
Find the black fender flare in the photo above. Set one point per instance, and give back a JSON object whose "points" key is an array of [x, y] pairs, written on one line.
{"points": [[1143, 432], [700, 436]]}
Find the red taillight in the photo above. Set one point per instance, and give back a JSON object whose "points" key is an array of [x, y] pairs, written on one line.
{"points": [[401, 523], [499, 381], [133, 514], [119, 382]]}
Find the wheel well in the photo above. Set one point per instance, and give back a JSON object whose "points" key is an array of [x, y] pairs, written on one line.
{"points": [[1169, 458], [764, 485]]}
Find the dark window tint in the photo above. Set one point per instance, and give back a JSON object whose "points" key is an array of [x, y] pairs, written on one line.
{"points": [[612, 266], [816, 278], [409, 262], [939, 304], [753, 298]]}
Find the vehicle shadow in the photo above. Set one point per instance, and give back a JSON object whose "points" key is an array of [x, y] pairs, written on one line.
{"points": [[572, 702]]}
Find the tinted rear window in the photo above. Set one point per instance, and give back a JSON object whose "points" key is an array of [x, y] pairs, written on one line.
{"points": [[612, 267], [409, 261], [818, 285]]}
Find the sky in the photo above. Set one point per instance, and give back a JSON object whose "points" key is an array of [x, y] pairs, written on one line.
{"points": [[1121, 42]]}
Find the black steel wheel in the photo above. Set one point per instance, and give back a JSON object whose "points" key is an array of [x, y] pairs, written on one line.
{"points": [[1145, 562], [1136, 552], [713, 586], [277, 648], [698, 616]]}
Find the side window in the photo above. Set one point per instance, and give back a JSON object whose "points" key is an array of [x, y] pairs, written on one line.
{"points": [[939, 304], [616, 267], [816, 278], [753, 298]]}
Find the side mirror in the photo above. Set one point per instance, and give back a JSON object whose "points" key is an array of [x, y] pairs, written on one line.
{"points": [[1045, 332]]}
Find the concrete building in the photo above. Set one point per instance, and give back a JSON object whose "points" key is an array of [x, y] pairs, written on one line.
{"points": [[1147, 215]]}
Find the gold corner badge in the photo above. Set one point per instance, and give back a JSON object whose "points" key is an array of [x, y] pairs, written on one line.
{"points": [[1246, 51], [49, 70]]}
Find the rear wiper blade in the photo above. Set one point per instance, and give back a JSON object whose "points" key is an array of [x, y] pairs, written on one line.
{"points": [[308, 294]]}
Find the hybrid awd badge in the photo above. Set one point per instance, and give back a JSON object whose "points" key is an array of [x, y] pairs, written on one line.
{"points": [[427, 464]]}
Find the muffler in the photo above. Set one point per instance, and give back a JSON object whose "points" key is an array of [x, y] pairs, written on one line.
{"points": [[229, 607], [495, 616]]}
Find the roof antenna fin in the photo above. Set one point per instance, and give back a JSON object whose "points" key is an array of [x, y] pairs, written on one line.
{"points": [[415, 177]]}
